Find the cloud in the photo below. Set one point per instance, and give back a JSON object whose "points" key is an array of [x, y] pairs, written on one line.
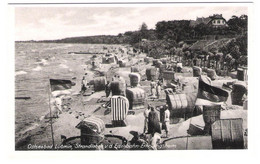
{"points": [[40, 23]]}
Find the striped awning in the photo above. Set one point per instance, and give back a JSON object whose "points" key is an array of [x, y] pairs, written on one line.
{"points": [[177, 101], [94, 123], [119, 107]]}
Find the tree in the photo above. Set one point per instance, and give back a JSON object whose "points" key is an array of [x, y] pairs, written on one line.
{"points": [[238, 24], [144, 31]]}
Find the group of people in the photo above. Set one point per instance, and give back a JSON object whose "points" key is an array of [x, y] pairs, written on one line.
{"points": [[152, 122], [152, 128]]}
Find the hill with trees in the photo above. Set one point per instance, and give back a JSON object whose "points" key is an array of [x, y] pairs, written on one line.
{"points": [[176, 38]]}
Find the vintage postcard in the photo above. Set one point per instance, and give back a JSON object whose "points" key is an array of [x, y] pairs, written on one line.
{"points": [[118, 76]]}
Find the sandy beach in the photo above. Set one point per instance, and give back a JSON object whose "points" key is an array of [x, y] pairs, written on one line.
{"points": [[84, 106]]}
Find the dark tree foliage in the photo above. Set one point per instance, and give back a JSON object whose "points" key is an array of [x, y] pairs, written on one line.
{"points": [[144, 31], [173, 30], [238, 24], [169, 38]]}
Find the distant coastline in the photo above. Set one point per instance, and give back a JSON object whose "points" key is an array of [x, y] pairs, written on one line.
{"points": [[98, 39]]}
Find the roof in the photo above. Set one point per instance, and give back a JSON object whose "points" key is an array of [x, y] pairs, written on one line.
{"points": [[206, 20], [199, 21], [217, 16]]}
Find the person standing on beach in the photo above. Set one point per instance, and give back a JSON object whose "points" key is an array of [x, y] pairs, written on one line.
{"points": [[158, 90], [153, 122], [84, 84], [153, 90], [166, 121], [107, 89], [146, 115]]}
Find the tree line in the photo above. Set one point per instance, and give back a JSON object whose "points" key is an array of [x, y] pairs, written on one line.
{"points": [[174, 37]]}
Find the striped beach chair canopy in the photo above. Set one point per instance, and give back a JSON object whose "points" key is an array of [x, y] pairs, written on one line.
{"points": [[93, 123], [119, 107], [177, 102]]}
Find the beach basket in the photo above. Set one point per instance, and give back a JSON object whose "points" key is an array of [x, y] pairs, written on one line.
{"points": [[111, 59], [146, 59], [119, 108], [92, 130], [99, 83], [151, 73], [164, 60], [211, 73], [158, 64], [136, 97], [238, 91], [108, 59], [210, 115], [155, 62], [197, 71], [178, 104], [118, 87], [162, 68], [228, 134], [122, 63], [242, 74], [168, 77], [134, 69], [134, 79]]}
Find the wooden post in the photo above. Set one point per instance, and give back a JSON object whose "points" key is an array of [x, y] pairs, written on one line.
{"points": [[53, 146]]}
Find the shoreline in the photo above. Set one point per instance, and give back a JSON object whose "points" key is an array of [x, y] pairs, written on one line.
{"points": [[88, 105]]}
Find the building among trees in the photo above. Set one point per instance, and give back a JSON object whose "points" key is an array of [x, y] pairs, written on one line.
{"points": [[214, 21]]}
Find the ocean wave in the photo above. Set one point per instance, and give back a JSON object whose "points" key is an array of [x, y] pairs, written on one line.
{"points": [[38, 68], [63, 66], [61, 92], [20, 73], [32, 127], [42, 62]]}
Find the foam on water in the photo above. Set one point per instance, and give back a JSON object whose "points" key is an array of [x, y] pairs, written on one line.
{"points": [[63, 66], [32, 127], [59, 65], [44, 62], [38, 68], [20, 73]]}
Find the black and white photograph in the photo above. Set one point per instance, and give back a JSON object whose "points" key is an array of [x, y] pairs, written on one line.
{"points": [[131, 77]]}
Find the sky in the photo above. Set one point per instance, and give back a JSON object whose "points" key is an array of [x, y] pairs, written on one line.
{"points": [[46, 23]]}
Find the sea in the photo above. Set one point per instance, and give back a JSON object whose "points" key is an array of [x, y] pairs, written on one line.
{"points": [[35, 64]]}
